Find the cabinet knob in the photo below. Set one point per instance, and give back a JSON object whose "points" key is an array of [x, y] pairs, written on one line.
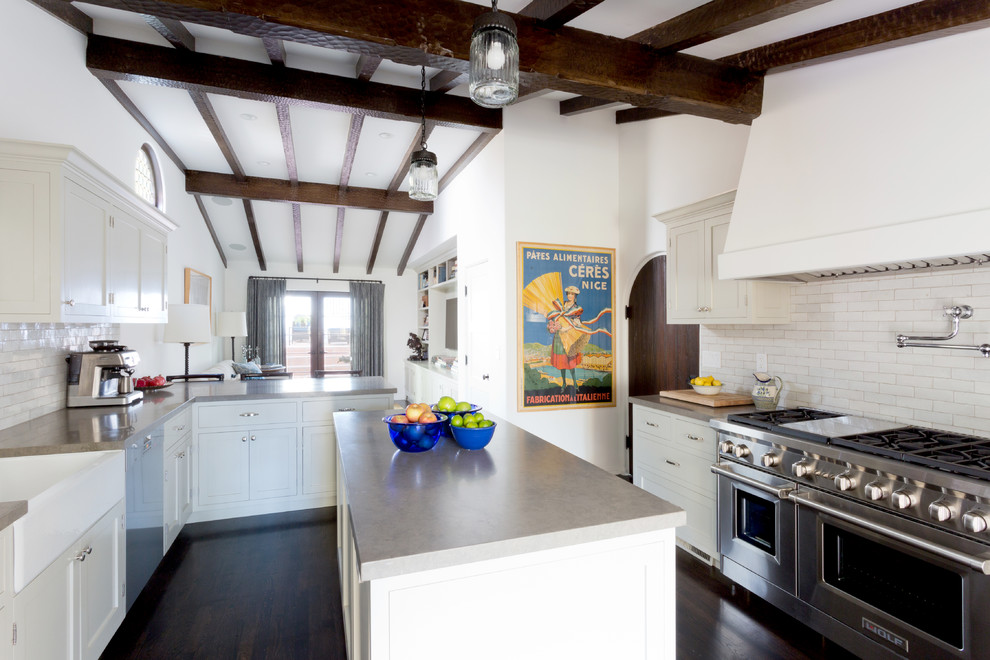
{"points": [[244, 438], [70, 302], [253, 438], [84, 553]]}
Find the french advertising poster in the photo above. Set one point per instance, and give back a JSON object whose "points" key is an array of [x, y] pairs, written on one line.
{"points": [[565, 326]]}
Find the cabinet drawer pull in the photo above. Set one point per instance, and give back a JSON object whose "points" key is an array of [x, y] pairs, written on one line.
{"points": [[694, 437], [656, 426], [70, 302], [670, 462], [83, 554], [180, 428], [250, 414], [345, 409]]}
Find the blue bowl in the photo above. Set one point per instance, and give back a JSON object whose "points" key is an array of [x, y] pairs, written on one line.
{"points": [[414, 437], [446, 424], [473, 438]]}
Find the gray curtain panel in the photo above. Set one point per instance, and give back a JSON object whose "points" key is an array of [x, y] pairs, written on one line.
{"points": [[368, 328], [266, 318]]}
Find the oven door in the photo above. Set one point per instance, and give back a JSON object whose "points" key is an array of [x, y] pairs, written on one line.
{"points": [[756, 523], [915, 590]]}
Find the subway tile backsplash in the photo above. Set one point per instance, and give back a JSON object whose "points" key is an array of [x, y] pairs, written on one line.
{"points": [[32, 365], [838, 352]]}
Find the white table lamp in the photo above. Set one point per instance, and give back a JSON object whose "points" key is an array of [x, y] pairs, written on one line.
{"points": [[188, 324], [232, 324]]}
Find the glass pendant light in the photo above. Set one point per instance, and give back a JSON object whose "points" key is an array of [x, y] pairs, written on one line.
{"points": [[423, 183], [494, 78]]}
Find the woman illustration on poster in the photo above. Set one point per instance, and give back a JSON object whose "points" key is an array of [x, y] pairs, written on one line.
{"points": [[570, 334]]}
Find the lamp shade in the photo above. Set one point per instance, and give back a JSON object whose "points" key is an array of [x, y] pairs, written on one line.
{"points": [[188, 324], [232, 324]]}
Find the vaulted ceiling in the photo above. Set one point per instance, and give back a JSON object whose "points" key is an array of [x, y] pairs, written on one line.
{"points": [[294, 122]]}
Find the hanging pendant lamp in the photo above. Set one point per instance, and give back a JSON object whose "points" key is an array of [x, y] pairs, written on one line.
{"points": [[423, 183], [494, 78]]}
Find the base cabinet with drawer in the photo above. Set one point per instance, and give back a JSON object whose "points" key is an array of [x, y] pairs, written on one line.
{"points": [[74, 607], [672, 457], [6, 580]]}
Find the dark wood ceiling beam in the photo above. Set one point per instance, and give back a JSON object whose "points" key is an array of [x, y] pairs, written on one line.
{"points": [[444, 81], [366, 66], [288, 146], [297, 231], [557, 13], [278, 190], [174, 32], [472, 151], [338, 241], [630, 115], [379, 232], [209, 227], [66, 13], [275, 48], [413, 238], [350, 150], [565, 59], [255, 238], [582, 104], [117, 59], [716, 19], [216, 129], [922, 21]]}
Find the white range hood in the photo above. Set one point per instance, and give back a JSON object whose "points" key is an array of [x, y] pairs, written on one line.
{"points": [[874, 163]]}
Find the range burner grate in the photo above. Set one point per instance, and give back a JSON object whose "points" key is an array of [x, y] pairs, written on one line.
{"points": [[772, 419], [967, 455]]}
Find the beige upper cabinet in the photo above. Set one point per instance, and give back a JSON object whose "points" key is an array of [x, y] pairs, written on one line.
{"points": [[79, 247], [695, 294]]}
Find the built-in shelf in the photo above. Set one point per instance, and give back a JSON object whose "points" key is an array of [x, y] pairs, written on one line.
{"points": [[436, 282]]}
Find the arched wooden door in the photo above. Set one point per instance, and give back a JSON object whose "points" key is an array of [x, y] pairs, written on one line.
{"points": [[661, 356]]}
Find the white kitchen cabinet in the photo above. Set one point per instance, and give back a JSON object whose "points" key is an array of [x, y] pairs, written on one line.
{"points": [[178, 487], [248, 464], [6, 596], [426, 384], [672, 457], [74, 607], [60, 257], [695, 294], [319, 451]]}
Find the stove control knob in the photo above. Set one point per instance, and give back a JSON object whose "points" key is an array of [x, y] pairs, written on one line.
{"points": [[902, 499], [875, 491], [741, 451], [844, 482], [726, 447], [940, 510], [770, 460], [975, 521], [803, 468]]}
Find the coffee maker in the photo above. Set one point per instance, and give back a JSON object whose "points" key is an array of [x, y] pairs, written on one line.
{"points": [[102, 377]]}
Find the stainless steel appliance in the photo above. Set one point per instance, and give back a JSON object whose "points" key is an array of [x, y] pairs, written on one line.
{"points": [[144, 477], [874, 533], [102, 377]]}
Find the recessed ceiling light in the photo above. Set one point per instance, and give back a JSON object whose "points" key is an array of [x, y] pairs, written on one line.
{"points": [[247, 116], [385, 136], [223, 201], [237, 246], [370, 174], [264, 163]]}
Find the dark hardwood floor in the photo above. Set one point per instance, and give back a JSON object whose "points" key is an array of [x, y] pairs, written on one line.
{"points": [[267, 587]]}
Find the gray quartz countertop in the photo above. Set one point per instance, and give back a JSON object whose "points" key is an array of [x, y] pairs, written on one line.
{"points": [[427, 365], [106, 427], [692, 410], [450, 506], [11, 511]]}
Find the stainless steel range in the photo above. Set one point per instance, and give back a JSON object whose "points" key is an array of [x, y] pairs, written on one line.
{"points": [[874, 533]]}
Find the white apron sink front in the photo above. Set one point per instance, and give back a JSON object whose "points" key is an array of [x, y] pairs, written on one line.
{"points": [[66, 495]]}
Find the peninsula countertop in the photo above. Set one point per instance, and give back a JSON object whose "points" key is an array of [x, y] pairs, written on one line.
{"points": [[450, 506]]}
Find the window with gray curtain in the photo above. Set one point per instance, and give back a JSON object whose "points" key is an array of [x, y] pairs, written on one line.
{"points": [[266, 318], [368, 328]]}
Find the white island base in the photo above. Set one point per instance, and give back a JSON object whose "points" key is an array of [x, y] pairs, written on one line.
{"points": [[601, 590]]}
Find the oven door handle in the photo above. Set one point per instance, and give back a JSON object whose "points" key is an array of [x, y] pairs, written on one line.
{"points": [[970, 561], [781, 493]]}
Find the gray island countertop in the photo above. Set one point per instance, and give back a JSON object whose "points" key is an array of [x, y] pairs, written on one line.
{"points": [[450, 506]]}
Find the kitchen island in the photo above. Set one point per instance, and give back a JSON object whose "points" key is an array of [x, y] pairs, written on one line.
{"points": [[518, 550]]}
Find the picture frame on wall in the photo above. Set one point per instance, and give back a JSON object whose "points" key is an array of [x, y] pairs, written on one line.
{"points": [[565, 299], [198, 290]]}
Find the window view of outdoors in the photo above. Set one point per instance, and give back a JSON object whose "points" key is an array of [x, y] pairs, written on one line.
{"points": [[318, 332]]}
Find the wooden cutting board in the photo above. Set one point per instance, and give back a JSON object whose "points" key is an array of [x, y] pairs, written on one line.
{"points": [[714, 400]]}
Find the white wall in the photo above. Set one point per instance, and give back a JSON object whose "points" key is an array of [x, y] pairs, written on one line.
{"points": [[51, 97]]}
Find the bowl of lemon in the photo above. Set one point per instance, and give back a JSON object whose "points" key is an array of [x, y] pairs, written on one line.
{"points": [[707, 385]]}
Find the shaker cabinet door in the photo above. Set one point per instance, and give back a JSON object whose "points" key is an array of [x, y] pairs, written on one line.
{"points": [[25, 258], [84, 278], [223, 467]]}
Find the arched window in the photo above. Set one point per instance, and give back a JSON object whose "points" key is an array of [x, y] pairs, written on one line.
{"points": [[148, 178]]}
